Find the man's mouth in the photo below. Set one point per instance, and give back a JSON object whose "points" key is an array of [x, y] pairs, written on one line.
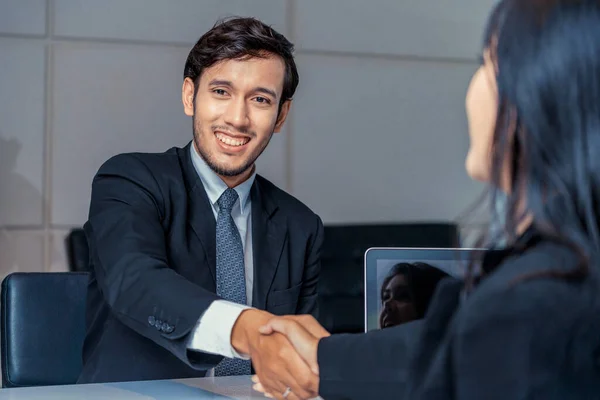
{"points": [[232, 140]]}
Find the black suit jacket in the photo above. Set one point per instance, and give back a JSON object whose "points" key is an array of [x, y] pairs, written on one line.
{"points": [[152, 233], [535, 339]]}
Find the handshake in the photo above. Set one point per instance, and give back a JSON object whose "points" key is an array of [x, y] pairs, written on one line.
{"points": [[283, 352]]}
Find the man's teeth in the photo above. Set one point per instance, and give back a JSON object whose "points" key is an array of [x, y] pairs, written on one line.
{"points": [[231, 141]]}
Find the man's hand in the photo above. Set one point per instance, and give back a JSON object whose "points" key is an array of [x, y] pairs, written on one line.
{"points": [[304, 333], [275, 361], [309, 323]]}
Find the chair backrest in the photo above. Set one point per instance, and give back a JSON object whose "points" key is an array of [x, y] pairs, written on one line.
{"points": [[78, 252], [42, 328], [341, 283]]}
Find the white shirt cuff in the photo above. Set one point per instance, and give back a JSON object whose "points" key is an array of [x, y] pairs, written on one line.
{"points": [[213, 331]]}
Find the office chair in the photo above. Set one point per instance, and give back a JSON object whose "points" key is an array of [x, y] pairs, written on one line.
{"points": [[42, 328]]}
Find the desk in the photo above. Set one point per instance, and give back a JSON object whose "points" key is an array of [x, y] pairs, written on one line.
{"points": [[235, 387]]}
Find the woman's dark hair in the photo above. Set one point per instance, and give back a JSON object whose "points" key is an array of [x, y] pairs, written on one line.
{"points": [[240, 38], [547, 56], [421, 281]]}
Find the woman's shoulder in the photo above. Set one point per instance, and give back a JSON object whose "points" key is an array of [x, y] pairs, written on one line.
{"points": [[543, 324], [518, 290]]}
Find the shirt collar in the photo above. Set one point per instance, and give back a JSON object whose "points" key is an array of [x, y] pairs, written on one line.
{"points": [[215, 186]]}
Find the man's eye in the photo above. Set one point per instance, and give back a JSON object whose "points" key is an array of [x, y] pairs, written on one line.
{"points": [[220, 92], [262, 100]]}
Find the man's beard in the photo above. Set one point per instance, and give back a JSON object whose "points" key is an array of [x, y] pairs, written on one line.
{"points": [[223, 170]]}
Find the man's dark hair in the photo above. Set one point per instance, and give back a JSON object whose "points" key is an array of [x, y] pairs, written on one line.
{"points": [[240, 38]]}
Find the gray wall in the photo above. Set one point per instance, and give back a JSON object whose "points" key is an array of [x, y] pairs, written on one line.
{"points": [[377, 131]]}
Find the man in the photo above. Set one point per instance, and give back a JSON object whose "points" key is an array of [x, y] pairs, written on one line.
{"points": [[183, 241]]}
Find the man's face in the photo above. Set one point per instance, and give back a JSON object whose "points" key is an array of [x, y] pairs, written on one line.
{"points": [[235, 111], [398, 306]]}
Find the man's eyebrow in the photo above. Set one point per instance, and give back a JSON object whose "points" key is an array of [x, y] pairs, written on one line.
{"points": [[220, 82], [264, 90]]}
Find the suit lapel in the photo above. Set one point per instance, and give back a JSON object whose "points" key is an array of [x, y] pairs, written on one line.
{"points": [[202, 219], [269, 229], [269, 234]]}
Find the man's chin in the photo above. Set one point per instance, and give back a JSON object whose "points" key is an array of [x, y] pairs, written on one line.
{"points": [[229, 171], [227, 165], [231, 174]]}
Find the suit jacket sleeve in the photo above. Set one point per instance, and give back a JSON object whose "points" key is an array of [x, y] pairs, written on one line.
{"points": [[307, 302], [366, 366], [128, 255]]}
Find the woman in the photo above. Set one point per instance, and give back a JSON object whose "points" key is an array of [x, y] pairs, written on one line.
{"points": [[530, 327], [406, 292]]}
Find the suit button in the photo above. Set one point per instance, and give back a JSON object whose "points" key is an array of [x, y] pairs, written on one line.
{"points": [[151, 320], [164, 327], [170, 328]]}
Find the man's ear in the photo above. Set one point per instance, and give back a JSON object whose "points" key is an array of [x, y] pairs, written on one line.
{"points": [[283, 113], [187, 97]]}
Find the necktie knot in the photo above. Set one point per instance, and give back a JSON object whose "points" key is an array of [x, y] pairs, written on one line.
{"points": [[227, 200]]}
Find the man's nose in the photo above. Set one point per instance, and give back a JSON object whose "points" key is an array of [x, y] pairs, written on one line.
{"points": [[237, 114]]}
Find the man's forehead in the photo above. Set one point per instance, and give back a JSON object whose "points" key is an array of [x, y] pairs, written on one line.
{"points": [[248, 71]]}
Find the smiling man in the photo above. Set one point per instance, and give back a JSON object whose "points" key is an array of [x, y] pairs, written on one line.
{"points": [[191, 250]]}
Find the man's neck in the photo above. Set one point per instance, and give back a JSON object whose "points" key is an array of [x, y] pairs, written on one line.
{"points": [[230, 181], [233, 181]]}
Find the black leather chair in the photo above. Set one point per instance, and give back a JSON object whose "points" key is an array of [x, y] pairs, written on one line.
{"points": [[341, 284], [42, 328], [78, 252]]}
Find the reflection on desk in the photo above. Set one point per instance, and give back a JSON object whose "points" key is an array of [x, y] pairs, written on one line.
{"points": [[235, 387]]}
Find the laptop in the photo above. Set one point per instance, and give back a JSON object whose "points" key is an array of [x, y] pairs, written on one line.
{"points": [[399, 282]]}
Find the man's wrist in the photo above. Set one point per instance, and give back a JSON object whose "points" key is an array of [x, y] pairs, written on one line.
{"points": [[246, 328]]}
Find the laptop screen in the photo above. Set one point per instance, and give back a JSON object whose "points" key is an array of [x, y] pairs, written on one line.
{"points": [[400, 282]]}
